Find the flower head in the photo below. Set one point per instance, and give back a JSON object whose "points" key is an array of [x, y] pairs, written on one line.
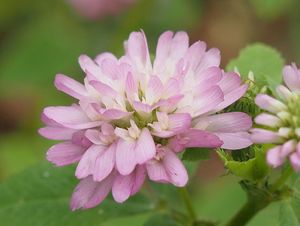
{"points": [[281, 121], [97, 9], [133, 116]]}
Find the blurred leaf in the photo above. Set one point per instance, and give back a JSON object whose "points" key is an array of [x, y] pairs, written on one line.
{"points": [[161, 220], [135, 220], [195, 154], [270, 9], [46, 45], [295, 30], [183, 13], [252, 169], [10, 10], [265, 62], [177, 15], [288, 215], [40, 196], [18, 151], [192, 168]]}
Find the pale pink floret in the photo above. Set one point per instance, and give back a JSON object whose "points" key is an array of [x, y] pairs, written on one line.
{"points": [[132, 117], [281, 123]]}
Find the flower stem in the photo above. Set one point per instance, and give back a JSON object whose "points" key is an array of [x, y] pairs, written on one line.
{"points": [[259, 200], [249, 210], [188, 203], [282, 179]]}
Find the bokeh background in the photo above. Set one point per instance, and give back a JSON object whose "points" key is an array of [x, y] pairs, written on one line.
{"points": [[41, 38]]}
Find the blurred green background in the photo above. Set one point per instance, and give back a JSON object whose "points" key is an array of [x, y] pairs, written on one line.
{"points": [[41, 38]]}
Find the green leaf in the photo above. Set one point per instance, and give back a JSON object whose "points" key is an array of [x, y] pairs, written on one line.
{"points": [[195, 154], [265, 62], [271, 9], [49, 44], [40, 196], [161, 220], [288, 215], [252, 169]]}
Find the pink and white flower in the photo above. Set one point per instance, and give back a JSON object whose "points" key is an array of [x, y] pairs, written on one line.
{"points": [[97, 9], [133, 116], [281, 121]]}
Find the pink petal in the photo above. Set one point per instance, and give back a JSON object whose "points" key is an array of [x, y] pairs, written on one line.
{"points": [[140, 176], [89, 193], [195, 54], [80, 139], [99, 59], [163, 134], [207, 100], [179, 122], [274, 158], [110, 68], [91, 108], [56, 133], [179, 45], [141, 107], [94, 136], [170, 50], [230, 82], [226, 122], [114, 114], [211, 58], [49, 122], [65, 153], [89, 66], [87, 162], [145, 147], [261, 136], [298, 147], [137, 49], [232, 97], [236, 140], [154, 90], [175, 169], [171, 88], [105, 163], [104, 89], [125, 186], [169, 104], [269, 103], [72, 117], [287, 148], [208, 77], [162, 50], [107, 129], [267, 120], [283, 92], [70, 86], [195, 138], [291, 76], [131, 87], [125, 157], [198, 138], [295, 161], [157, 172]]}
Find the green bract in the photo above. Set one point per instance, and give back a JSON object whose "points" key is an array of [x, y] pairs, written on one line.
{"points": [[253, 169]]}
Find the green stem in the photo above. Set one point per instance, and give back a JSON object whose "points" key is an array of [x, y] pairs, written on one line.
{"points": [[249, 210], [282, 179], [188, 203], [258, 201]]}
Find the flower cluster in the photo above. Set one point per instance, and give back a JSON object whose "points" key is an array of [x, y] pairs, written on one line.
{"points": [[133, 116], [97, 9], [281, 125]]}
